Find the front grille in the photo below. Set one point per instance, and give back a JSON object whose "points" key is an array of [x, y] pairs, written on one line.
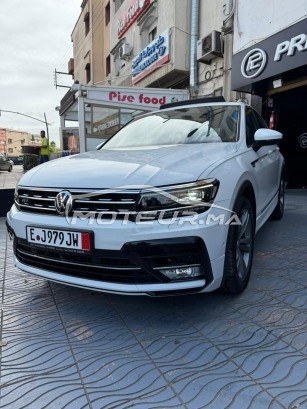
{"points": [[109, 266], [135, 263], [42, 200]]}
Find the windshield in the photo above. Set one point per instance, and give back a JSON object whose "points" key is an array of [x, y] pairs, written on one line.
{"points": [[203, 124]]}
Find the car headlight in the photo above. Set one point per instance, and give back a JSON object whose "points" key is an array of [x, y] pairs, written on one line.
{"points": [[170, 201]]}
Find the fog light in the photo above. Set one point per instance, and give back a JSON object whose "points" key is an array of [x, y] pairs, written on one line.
{"points": [[182, 272]]}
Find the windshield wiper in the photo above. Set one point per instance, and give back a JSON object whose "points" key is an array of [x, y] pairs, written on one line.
{"points": [[192, 132], [196, 129]]}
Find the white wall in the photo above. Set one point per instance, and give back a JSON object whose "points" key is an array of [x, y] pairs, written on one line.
{"points": [[212, 13], [256, 20]]}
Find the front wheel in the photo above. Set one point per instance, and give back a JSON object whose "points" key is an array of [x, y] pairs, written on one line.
{"points": [[239, 248]]}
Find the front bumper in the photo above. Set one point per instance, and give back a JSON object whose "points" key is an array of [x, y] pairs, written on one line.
{"points": [[134, 267]]}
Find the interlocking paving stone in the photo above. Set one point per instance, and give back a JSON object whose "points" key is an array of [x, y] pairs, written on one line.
{"points": [[65, 347]]}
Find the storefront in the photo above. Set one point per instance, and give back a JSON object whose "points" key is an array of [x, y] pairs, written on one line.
{"points": [[275, 69], [100, 111]]}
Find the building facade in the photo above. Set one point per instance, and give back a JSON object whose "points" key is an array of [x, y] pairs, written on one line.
{"points": [[91, 43], [12, 141], [230, 48], [269, 62], [3, 141], [148, 43]]}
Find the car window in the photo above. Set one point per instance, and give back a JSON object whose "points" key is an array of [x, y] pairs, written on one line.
{"points": [[261, 122], [251, 125], [202, 124], [253, 122]]}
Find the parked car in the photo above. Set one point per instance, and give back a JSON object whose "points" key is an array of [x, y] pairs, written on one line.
{"points": [[169, 205], [5, 163], [17, 160]]}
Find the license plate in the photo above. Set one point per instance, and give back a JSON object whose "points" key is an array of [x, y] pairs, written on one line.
{"points": [[63, 239]]}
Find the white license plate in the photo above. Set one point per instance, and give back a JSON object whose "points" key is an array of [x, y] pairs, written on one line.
{"points": [[59, 238]]}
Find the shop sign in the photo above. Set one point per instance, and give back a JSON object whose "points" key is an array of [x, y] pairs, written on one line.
{"points": [[67, 101], [142, 99], [253, 63], [302, 140], [279, 53], [106, 125], [152, 57], [129, 16], [145, 99]]}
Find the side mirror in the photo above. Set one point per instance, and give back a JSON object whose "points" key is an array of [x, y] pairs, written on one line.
{"points": [[265, 136]]}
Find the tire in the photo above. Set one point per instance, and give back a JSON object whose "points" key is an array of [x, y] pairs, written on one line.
{"points": [[278, 212], [10, 169], [239, 249]]}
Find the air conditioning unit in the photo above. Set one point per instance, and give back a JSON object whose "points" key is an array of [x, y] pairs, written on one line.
{"points": [[209, 47], [125, 51]]}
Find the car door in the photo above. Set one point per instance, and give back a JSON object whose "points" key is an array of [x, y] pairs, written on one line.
{"points": [[264, 164]]}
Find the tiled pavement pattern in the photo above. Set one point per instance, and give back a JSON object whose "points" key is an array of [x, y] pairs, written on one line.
{"points": [[64, 347]]}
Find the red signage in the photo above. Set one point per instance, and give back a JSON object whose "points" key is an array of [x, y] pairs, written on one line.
{"points": [[139, 98], [133, 12]]}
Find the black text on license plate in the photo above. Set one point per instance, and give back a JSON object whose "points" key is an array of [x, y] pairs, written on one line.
{"points": [[59, 238]]}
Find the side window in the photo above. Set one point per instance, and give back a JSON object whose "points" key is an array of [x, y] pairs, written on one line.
{"points": [[251, 125]]}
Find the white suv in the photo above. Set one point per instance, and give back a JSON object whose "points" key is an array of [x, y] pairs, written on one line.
{"points": [[170, 204]]}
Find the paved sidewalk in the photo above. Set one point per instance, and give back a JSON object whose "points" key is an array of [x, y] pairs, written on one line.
{"points": [[8, 180], [69, 348]]}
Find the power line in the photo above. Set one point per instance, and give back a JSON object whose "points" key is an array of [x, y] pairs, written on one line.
{"points": [[29, 116]]}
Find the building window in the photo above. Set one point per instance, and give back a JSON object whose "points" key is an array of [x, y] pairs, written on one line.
{"points": [[148, 25], [10, 150], [152, 34], [107, 14], [108, 65], [87, 23], [10, 141], [88, 72]]}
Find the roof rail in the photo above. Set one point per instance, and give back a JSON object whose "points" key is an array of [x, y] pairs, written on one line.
{"points": [[193, 101]]}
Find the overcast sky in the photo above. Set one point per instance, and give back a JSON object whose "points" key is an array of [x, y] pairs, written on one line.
{"points": [[35, 39]]}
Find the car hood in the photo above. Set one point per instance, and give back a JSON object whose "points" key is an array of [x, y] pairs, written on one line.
{"points": [[153, 166]]}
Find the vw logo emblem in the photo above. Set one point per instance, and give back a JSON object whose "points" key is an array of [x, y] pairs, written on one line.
{"points": [[63, 202], [253, 63]]}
